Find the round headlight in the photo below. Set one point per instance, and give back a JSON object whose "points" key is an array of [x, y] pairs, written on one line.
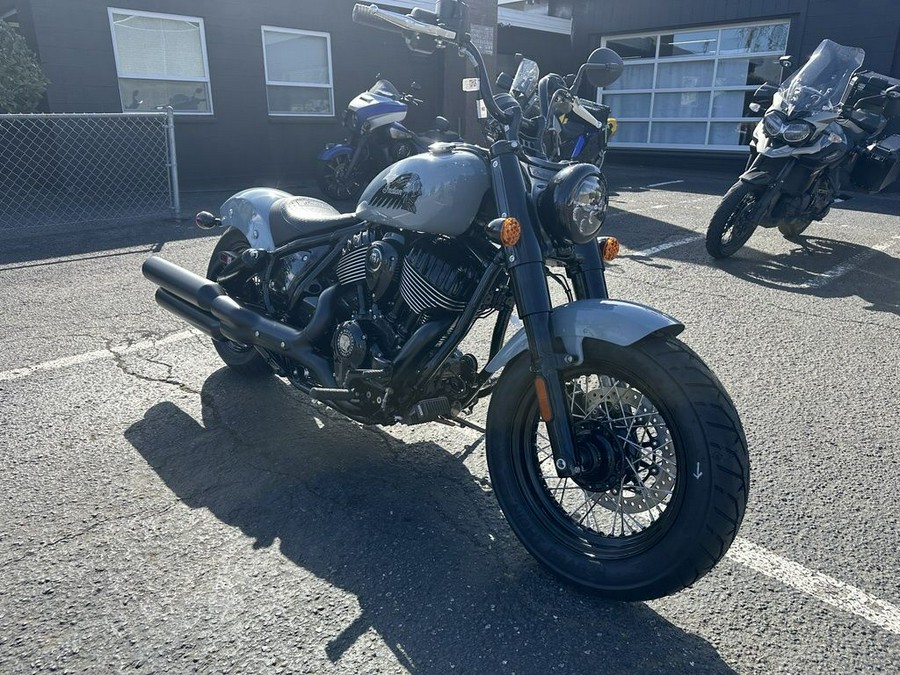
{"points": [[574, 205], [589, 207], [773, 123], [796, 132]]}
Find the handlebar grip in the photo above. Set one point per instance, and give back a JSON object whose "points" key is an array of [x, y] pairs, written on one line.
{"points": [[367, 15]]}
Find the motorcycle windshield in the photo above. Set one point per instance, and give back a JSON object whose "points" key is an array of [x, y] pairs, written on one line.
{"points": [[822, 83], [384, 88], [526, 79]]}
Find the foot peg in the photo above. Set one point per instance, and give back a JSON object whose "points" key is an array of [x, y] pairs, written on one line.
{"points": [[322, 394]]}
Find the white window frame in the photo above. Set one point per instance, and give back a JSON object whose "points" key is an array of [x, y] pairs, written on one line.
{"points": [[176, 17], [716, 58], [313, 85]]}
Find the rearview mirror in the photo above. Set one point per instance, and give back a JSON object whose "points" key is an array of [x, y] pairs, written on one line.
{"points": [[603, 67]]}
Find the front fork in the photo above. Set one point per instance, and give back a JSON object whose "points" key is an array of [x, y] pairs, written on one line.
{"points": [[525, 265]]}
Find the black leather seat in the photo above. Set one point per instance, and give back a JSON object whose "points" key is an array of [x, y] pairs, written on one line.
{"points": [[294, 217]]}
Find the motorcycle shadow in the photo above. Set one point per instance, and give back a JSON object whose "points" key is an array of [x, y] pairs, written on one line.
{"points": [[825, 268], [406, 528]]}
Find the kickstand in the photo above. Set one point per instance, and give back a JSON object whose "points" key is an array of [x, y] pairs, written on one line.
{"points": [[458, 421], [800, 241]]}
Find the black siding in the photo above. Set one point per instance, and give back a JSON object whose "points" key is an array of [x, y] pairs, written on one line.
{"points": [[240, 144]]}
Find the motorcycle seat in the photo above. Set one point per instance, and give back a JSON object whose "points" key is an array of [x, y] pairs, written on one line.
{"points": [[294, 217]]}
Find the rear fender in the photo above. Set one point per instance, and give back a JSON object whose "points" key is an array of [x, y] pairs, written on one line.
{"points": [[248, 211], [332, 150], [615, 321]]}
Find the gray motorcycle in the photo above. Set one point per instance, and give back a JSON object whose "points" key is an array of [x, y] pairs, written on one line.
{"points": [[826, 127], [616, 455]]}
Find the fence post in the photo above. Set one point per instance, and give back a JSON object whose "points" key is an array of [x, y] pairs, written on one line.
{"points": [[173, 161]]}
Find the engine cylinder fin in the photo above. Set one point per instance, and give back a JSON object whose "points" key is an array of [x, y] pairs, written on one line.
{"points": [[351, 268], [421, 295]]}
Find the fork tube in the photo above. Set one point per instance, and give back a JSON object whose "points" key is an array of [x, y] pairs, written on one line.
{"points": [[525, 264]]}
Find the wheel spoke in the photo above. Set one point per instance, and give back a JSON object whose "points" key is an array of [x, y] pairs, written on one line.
{"points": [[645, 474]]}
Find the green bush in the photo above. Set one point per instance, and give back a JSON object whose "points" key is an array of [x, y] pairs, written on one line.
{"points": [[22, 82]]}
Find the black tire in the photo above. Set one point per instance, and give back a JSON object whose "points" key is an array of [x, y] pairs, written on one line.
{"points": [[730, 226], [794, 228], [704, 463], [243, 359], [335, 182]]}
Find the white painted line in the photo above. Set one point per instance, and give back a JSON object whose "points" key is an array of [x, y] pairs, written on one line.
{"points": [[76, 257], [851, 264], [668, 182], [99, 355], [648, 252], [820, 586]]}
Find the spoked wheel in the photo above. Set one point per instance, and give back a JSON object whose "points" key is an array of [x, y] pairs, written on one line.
{"points": [[733, 221], [666, 469], [337, 181], [241, 358]]}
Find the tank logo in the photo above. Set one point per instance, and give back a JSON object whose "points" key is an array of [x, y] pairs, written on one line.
{"points": [[400, 193]]}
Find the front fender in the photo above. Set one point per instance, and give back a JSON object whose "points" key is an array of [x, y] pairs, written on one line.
{"points": [[332, 150], [616, 321], [248, 211]]}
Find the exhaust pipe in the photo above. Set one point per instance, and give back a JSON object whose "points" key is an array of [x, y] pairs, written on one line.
{"points": [[206, 305]]}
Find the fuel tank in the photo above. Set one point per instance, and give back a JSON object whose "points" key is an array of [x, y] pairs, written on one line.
{"points": [[437, 192]]}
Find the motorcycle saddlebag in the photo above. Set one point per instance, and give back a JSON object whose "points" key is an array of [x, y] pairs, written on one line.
{"points": [[878, 165]]}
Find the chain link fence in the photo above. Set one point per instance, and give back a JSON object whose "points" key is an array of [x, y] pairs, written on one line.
{"points": [[73, 168]]}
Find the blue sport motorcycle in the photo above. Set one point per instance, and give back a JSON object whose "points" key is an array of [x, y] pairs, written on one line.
{"points": [[377, 140]]}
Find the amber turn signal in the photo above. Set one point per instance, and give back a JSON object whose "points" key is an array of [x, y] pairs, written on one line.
{"points": [[510, 232], [609, 248], [540, 387]]}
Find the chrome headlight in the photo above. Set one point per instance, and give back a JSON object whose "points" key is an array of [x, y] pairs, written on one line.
{"points": [[797, 132], [573, 207]]}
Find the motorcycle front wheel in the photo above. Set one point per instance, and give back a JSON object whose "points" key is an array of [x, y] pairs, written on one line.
{"points": [[337, 181], [733, 221], [667, 469]]}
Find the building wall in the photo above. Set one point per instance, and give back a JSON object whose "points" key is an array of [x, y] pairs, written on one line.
{"points": [[240, 145], [871, 24]]}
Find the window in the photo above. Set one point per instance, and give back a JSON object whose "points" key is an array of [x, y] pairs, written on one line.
{"points": [[161, 61], [12, 18], [298, 72], [691, 88]]}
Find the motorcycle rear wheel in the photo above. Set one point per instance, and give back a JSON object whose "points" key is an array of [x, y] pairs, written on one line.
{"points": [[665, 503], [731, 225], [336, 182], [243, 359]]}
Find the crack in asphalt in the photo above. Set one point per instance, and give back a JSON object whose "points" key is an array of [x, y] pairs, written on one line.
{"points": [[119, 360], [93, 526]]}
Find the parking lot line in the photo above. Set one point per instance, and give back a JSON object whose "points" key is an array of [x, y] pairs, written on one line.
{"points": [[851, 264], [98, 355], [668, 182], [647, 252], [822, 587]]}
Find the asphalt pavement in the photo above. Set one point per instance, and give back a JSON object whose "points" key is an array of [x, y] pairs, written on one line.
{"points": [[160, 514]]}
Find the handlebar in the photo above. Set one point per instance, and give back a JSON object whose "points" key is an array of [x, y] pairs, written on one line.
{"points": [[375, 17]]}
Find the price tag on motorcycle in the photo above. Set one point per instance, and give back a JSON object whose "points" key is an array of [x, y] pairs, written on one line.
{"points": [[482, 110], [471, 84]]}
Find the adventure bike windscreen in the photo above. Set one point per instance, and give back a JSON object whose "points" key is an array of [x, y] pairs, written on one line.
{"points": [[822, 83], [526, 79]]}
